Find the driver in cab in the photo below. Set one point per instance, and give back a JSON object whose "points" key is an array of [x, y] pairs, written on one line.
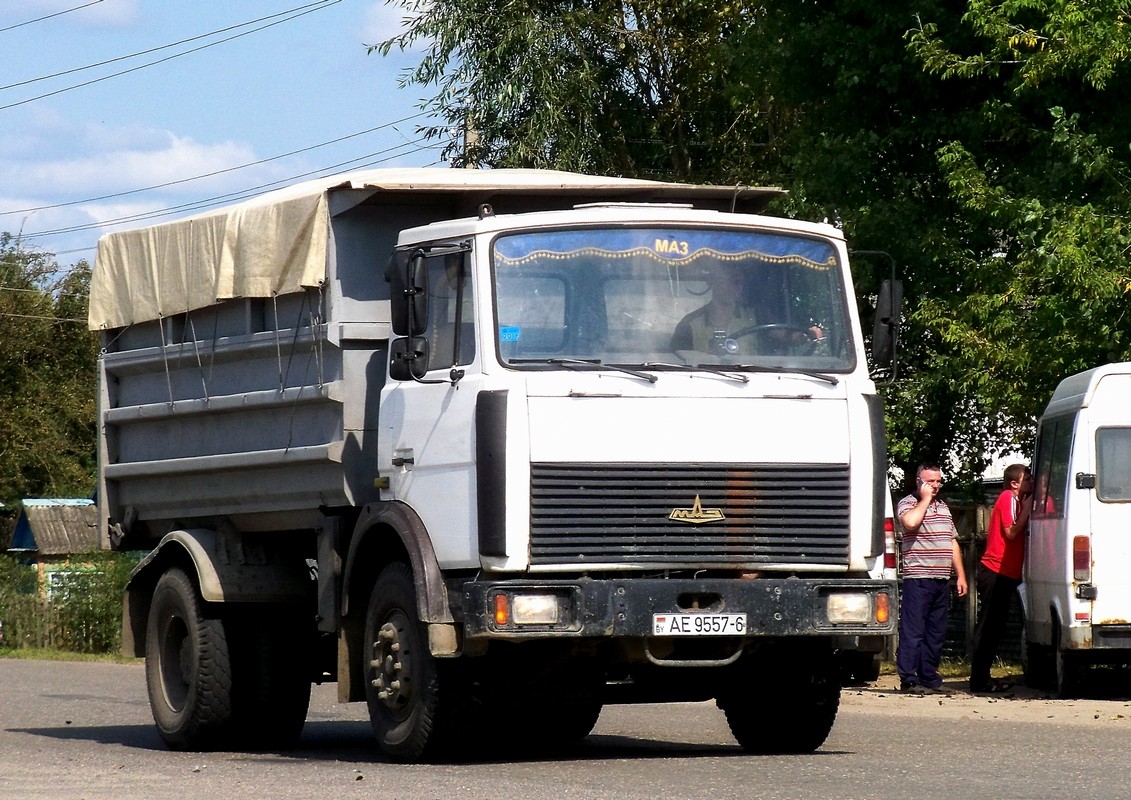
{"points": [[728, 323]]}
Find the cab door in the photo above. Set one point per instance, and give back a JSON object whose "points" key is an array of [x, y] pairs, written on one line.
{"points": [[427, 443]]}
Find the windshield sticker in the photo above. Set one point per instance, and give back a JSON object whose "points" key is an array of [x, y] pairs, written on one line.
{"points": [[682, 248]]}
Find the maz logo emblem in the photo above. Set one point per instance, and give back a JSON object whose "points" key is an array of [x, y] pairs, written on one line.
{"points": [[696, 515]]}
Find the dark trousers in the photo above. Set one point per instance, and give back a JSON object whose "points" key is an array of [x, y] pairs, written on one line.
{"points": [[995, 595], [923, 611]]}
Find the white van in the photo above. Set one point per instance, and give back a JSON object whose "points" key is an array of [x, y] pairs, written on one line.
{"points": [[1076, 594]]}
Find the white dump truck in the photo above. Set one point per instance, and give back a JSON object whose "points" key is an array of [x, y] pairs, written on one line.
{"points": [[490, 449], [1076, 593]]}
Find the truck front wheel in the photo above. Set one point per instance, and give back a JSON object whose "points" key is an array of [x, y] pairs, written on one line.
{"points": [[187, 667], [401, 682], [783, 712]]}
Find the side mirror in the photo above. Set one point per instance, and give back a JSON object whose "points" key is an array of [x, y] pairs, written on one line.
{"points": [[408, 358], [885, 328], [407, 274]]}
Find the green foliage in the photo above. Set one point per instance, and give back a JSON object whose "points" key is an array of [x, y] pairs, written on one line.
{"points": [[588, 85], [82, 615], [47, 377], [984, 145]]}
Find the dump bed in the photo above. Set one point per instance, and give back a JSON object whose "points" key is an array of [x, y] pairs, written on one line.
{"points": [[245, 348]]}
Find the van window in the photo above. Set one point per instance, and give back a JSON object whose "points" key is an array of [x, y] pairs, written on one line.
{"points": [[1050, 475], [1113, 464]]}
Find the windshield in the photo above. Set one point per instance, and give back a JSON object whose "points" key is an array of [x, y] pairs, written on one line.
{"points": [[671, 296]]}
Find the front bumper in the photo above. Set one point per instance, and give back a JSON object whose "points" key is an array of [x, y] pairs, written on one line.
{"points": [[624, 607]]}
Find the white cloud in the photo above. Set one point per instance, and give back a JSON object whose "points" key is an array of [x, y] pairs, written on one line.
{"points": [[385, 20], [51, 174], [104, 160]]}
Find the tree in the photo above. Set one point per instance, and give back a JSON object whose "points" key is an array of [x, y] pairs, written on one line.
{"points": [[47, 369], [1049, 296], [983, 146], [626, 88]]}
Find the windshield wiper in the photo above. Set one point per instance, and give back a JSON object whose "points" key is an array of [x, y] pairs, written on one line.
{"points": [[734, 376], [586, 363], [821, 376]]}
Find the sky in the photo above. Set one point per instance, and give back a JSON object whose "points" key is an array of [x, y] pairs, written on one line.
{"points": [[74, 157]]}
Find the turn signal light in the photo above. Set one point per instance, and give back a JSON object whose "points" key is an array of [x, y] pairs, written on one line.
{"points": [[502, 610], [883, 608]]}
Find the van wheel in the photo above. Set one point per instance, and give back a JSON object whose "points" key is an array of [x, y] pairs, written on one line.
{"points": [[1036, 664], [188, 672], [1068, 667], [402, 686]]}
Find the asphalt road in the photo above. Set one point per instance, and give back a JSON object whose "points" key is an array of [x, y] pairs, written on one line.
{"points": [[83, 730]]}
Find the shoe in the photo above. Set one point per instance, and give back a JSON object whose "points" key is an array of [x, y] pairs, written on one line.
{"points": [[911, 688], [993, 687]]}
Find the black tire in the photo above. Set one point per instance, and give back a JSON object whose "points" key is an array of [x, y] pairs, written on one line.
{"points": [[402, 686], [271, 658], [1036, 664], [1068, 673], [574, 722], [858, 667], [1068, 667], [792, 712], [187, 668]]}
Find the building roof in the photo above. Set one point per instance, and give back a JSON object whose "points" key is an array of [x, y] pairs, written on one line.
{"points": [[54, 527]]}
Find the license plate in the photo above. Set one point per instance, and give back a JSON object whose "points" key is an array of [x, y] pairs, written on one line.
{"points": [[698, 624]]}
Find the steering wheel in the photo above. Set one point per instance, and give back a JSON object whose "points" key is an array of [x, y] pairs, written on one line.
{"points": [[770, 327]]}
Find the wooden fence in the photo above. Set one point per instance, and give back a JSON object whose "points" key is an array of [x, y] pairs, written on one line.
{"points": [[31, 621]]}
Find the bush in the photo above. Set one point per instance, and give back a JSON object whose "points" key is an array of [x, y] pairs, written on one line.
{"points": [[83, 613]]}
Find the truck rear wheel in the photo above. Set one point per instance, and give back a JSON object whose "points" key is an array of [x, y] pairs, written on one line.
{"points": [[187, 667], [789, 712], [402, 687], [271, 677]]}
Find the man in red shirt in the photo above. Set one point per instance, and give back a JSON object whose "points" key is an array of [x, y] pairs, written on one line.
{"points": [[999, 573]]}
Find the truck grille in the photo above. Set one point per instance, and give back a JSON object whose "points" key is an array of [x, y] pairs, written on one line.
{"points": [[620, 514]]}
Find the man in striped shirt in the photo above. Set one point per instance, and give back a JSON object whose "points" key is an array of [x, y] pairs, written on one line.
{"points": [[929, 551]]}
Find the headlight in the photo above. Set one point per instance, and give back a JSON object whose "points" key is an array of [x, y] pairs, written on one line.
{"points": [[535, 609], [849, 608]]}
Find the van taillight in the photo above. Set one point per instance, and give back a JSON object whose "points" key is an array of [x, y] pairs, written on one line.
{"points": [[1081, 558], [889, 544]]}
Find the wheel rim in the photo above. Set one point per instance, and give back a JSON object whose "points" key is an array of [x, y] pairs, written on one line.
{"points": [[176, 661], [391, 666]]}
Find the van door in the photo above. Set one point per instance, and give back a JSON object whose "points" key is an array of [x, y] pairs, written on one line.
{"points": [[1048, 560], [1111, 502], [1111, 527]]}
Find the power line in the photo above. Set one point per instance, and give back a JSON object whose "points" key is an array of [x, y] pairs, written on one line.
{"points": [[49, 16], [44, 292], [387, 154], [318, 7], [216, 172], [45, 319], [156, 49]]}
